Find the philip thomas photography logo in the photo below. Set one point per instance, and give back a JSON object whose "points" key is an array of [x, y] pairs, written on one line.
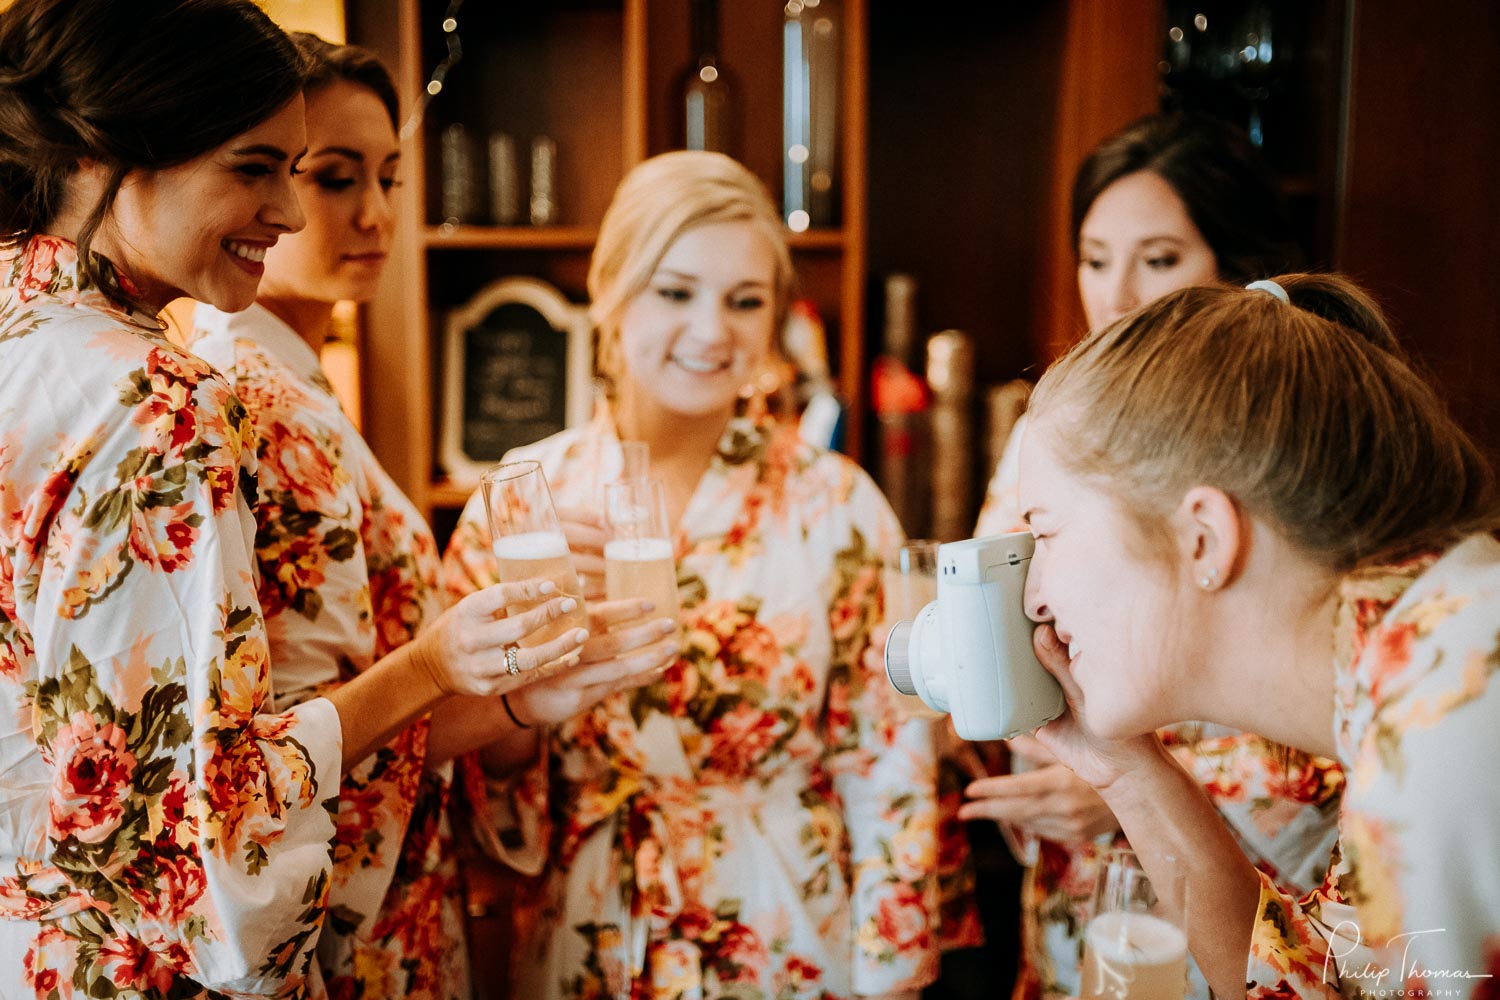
{"points": [[1357, 964]]}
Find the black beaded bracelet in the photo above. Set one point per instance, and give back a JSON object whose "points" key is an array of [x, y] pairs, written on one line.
{"points": [[512, 712]]}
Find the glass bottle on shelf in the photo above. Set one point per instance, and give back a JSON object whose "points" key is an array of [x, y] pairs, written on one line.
{"points": [[459, 180], [707, 100], [810, 105]]}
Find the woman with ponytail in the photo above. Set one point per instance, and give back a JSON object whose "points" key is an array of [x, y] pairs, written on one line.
{"points": [[1249, 509]]}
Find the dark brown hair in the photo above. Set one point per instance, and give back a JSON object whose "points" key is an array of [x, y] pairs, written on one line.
{"points": [[143, 85], [324, 63], [1307, 414], [1228, 190]]}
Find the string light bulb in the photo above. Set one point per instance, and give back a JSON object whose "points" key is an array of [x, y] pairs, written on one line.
{"points": [[434, 86]]}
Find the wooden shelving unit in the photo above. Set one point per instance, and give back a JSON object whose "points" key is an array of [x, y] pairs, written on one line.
{"points": [[597, 77]]}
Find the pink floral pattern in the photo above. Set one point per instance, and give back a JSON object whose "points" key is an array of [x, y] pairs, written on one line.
{"points": [[166, 836], [349, 572], [759, 822], [1413, 901]]}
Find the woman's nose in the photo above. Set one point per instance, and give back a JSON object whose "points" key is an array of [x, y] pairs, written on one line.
{"points": [[375, 208], [1123, 296], [1036, 608], [710, 323], [284, 210]]}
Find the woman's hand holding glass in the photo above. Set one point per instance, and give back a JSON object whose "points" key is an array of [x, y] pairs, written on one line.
{"points": [[626, 651], [472, 646], [528, 539]]}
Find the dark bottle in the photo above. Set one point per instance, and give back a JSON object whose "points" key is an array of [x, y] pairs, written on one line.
{"points": [[707, 98]]}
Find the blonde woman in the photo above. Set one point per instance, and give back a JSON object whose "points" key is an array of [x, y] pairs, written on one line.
{"points": [[757, 821], [1249, 510], [1169, 202]]}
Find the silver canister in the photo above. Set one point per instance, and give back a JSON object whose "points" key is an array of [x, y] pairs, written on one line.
{"points": [[459, 176], [505, 180], [543, 181], [950, 373]]}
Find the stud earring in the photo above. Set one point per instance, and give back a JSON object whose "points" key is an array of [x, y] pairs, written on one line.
{"points": [[1210, 581]]}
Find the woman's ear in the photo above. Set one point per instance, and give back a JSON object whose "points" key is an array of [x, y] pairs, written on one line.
{"points": [[1212, 531]]}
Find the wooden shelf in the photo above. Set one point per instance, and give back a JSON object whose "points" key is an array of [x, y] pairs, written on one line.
{"points": [[445, 494], [509, 237], [831, 240], [596, 77], [577, 238]]}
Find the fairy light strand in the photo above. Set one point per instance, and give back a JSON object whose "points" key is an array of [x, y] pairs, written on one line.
{"points": [[439, 73]]}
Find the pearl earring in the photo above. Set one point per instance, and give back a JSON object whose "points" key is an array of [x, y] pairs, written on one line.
{"points": [[1211, 580]]}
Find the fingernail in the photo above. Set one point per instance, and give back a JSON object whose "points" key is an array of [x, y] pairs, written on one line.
{"points": [[666, 625], [580, 635], [648, 605], [568, 604], [547, 587]]}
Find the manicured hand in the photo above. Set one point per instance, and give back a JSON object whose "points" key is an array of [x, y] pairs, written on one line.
{"points": [[611, 661], [464, 650]]}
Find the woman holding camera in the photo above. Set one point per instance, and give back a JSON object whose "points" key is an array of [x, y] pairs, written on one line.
{"points": [[1250, 510], [1169, 202]]}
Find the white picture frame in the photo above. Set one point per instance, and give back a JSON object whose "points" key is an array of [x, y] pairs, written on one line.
{"points": [[503, 330]]}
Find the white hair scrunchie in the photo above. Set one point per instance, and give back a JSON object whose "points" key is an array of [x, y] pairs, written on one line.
{"points": [[1270, 288]]}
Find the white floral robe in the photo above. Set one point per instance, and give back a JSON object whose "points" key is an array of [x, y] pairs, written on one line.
{"points": [[349, 572], [759, 822], [161, 833], [1412, 907]]}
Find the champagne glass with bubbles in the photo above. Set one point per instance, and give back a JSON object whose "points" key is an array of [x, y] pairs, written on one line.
{"points": [[528, 541], [638, 557], [1135, 946]]}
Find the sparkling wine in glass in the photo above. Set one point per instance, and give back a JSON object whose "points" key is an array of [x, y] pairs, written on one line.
{"points": [[1135, 947], [638, 557], [528, 542]]}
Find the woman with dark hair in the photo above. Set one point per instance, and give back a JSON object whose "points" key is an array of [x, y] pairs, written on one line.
{"points": [[1249, 509], [349, 570], [1171, 201], [165, 834]]}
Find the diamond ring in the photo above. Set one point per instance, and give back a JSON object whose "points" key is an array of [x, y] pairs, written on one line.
{"points": [[512, 660]]}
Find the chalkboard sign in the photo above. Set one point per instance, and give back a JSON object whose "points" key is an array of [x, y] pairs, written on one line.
{"points": [[517, 370]]}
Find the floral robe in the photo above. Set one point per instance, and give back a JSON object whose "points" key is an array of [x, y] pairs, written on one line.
{"points": [[759, 822], [348, 572], [1412, 908], [162, 834], [1281, 806]]}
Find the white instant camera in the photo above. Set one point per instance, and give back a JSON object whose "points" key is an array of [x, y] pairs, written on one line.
{"points": [[969, 652]]}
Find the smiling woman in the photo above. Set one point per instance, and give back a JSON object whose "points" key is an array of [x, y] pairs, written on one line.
{"points": [[760, 818], [1251, 510], [348, 568], [169, 826], [1169, 202]]}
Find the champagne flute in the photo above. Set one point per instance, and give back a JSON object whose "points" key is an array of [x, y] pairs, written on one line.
{"points": [[638, 559], [1135, 946], [528, 542]]}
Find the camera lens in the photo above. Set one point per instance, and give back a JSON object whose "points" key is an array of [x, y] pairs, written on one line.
{"points": [[898, 658]]}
